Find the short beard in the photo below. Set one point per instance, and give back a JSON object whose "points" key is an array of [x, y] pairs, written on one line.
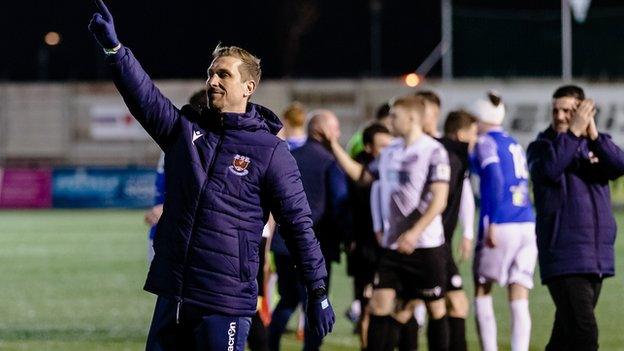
{"points": [[215, 106]]}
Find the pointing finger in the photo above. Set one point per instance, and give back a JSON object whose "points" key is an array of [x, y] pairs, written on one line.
{"points": [[104, 10]]}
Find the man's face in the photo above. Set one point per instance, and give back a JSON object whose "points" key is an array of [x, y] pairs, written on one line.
{"points": [[226, 90], [468, 135], [380, 141], [402, 120], [430, 118], [563, 109]]}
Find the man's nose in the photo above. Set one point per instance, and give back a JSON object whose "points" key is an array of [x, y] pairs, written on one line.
{"points": [[213, 80]]}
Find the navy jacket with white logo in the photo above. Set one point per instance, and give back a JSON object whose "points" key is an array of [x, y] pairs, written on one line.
{"points": [[224, 173], [575, 224]]}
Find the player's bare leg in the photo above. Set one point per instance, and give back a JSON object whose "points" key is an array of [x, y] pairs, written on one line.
{"points": [[457, 304], [365, 317], [486, 320], [520, 317]]}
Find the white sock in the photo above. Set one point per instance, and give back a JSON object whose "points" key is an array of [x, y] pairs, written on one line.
{"points": [[486, 322], [520, 325], [420, 313]]}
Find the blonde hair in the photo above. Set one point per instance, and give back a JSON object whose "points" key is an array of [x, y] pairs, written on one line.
{"points": [[250, 69], [415, 103]]}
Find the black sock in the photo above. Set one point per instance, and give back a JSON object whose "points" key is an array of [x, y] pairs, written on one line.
{"points": [[438, 334], [378, 332], [408, 340], [457, 329]]}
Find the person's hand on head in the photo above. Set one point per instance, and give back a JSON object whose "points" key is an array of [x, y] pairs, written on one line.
{"points": [[582, 117], [592, 131], [326, 134], [103, 28]]}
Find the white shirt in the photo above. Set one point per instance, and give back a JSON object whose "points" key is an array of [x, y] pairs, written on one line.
{"points": [[402, 192]]}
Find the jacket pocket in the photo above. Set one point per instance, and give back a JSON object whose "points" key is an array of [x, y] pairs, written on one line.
{"points": [[243, 256], [555, 230]]}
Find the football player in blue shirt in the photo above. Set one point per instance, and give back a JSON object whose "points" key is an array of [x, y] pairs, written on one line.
{"points": [[506, 250]]}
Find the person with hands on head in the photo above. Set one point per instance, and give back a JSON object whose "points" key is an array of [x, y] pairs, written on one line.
{"points": [[225, 171], [571, 165]]}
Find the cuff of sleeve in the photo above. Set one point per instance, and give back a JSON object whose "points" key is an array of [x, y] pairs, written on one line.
{"points": [[317, 284], [113, 59], [599, 140]]}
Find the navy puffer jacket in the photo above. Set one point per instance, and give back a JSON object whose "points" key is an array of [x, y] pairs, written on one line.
{"points": [[224, 173], [575, 225]]}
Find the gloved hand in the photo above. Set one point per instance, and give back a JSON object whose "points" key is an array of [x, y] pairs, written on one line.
{"points": [[320, 315], [103, 28]]}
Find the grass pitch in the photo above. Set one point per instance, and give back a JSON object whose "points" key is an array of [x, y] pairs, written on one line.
{"points": [[72, 280]]}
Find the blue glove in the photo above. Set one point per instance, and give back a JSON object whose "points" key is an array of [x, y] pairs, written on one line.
{"points": [[320, 315], [103, 28]]}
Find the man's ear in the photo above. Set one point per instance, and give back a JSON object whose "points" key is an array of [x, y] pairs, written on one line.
{"points": [[250, 87]]}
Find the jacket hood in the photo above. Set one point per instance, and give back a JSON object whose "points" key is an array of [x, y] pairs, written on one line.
{"points": [[257, 117]]}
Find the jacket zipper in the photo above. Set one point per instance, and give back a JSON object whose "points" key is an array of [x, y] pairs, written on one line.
{"points": [[201, 191], [178, 311], [596, 234]]}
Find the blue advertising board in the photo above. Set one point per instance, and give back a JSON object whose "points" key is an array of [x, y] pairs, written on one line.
{"points": [[100, 187]]}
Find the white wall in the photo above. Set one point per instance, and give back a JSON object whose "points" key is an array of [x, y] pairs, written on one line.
{"points": [[50, 123]]}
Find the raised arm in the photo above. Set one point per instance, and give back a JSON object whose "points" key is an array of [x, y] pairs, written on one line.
{"points": [[353, 169], [610, 156], [147, 104]]}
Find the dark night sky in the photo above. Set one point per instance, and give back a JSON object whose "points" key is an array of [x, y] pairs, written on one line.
{"points": [[309, 38]]}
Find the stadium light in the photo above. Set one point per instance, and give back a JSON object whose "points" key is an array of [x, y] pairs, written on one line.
{"points": [[412, 80], [52, 38]]}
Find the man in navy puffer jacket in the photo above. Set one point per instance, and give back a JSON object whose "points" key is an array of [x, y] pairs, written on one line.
{"points": [[571, 165], [225, 170]]}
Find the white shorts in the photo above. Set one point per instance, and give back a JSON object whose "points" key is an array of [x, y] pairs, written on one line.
{"points": [[513, 259]]}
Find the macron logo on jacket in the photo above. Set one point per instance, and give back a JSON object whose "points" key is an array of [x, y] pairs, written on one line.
{"points": [[196, 135]]}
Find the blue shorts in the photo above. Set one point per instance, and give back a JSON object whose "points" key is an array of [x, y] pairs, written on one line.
{"points": [[187, 329]]}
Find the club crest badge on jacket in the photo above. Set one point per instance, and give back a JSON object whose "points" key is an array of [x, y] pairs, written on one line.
{"points": [[239, 165]]}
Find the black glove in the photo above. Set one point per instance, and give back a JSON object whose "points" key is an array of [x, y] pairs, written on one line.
{"points": [[319, 312]]}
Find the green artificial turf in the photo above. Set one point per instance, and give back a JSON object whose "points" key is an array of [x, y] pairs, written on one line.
{"points": [[72, 280]]}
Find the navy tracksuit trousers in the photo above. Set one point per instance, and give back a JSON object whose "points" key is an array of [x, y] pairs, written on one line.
{"points": [[189, 331]]}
